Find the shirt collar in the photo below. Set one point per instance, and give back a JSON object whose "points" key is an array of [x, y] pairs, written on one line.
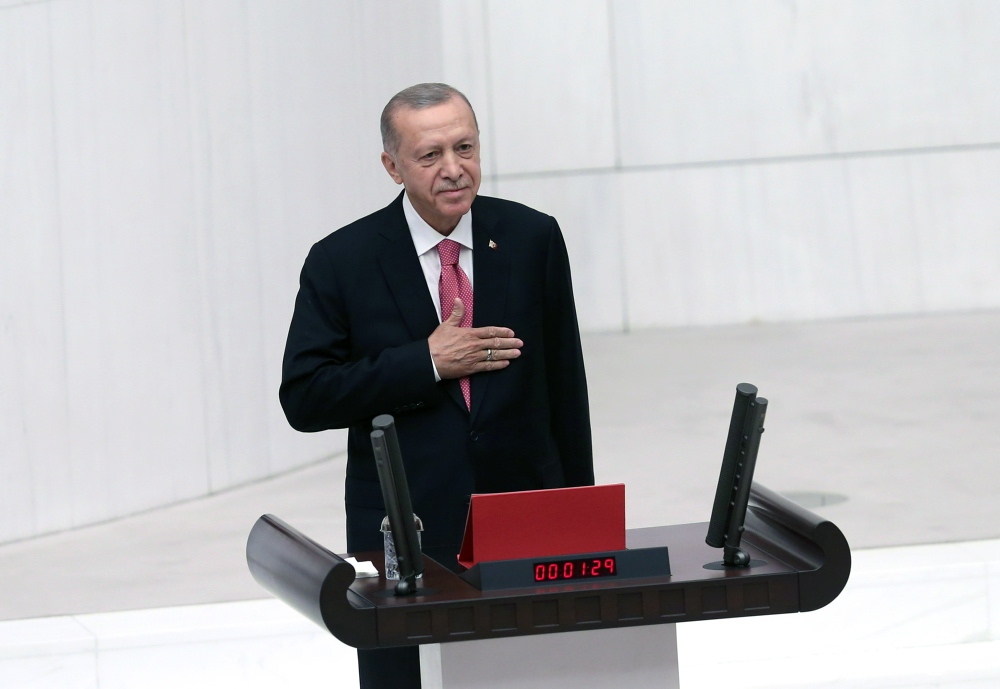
{"points": [[426, 237]]}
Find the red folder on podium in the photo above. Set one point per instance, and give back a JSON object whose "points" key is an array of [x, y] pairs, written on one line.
{"points": [[543, 523]]}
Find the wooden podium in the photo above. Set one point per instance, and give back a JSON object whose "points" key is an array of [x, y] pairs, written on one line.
{"points": [[800, 562]]}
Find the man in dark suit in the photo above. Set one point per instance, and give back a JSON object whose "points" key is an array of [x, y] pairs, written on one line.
{"points": [[496, 405]]}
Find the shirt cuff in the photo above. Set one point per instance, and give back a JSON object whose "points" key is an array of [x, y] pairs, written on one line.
{"points": [[437, 376]]}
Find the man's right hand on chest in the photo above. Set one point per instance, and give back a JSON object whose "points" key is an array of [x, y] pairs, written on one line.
{"points": [[458, 352]]}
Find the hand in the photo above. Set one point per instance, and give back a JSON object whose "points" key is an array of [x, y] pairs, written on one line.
{"points": [[460, 352]]}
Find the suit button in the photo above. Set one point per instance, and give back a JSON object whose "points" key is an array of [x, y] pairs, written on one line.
{"points": [[474, 436]]}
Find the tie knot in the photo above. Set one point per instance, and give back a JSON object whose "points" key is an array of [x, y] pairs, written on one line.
{"points": [[449, 249]]}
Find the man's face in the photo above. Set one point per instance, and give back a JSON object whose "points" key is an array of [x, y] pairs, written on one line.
{"points": [[437, 161]]}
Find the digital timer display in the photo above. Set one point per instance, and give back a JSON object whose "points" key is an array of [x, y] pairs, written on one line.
{"points": [[586, 568]]}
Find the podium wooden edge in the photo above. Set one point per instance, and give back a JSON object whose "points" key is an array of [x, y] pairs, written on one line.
{"points": [[815, 546], [311, 579], [808, 558]]}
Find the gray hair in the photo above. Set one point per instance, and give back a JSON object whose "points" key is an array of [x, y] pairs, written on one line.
{"points": [[416, 97]]}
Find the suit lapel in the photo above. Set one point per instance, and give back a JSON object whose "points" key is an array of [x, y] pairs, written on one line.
{"points": [[401, 268], [491, 264], [402, 271]]}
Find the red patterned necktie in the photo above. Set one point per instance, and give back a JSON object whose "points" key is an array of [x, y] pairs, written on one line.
{"points": [[455, 283]]}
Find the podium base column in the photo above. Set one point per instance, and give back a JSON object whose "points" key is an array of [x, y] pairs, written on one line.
{"points": [[633, 657]]}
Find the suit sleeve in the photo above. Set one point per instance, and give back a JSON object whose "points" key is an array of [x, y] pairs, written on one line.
{"points": [[327, 385], [570, 407]]}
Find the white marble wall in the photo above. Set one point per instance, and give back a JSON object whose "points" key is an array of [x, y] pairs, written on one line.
{"points": [[166, 165], [720, 162]]}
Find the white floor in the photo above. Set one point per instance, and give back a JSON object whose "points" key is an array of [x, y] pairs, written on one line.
{"points": [[252, 644], [899, 416]]}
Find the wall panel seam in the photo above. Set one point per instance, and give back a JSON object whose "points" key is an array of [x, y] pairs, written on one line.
{"points": [[744, 162]]}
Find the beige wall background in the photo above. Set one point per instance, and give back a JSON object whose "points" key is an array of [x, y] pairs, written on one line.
{"points": [[165, 165]]}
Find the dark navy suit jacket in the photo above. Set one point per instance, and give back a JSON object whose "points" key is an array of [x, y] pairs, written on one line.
{"points": [[357, 347]]}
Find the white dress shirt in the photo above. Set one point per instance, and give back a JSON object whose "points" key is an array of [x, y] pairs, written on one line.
{"points": [[426, 239]]}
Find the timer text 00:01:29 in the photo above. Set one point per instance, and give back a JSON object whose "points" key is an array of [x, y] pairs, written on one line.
{"points": [[560, 570]]}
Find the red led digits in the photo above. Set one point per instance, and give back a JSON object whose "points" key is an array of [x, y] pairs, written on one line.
{"points": [[563, 570]]}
